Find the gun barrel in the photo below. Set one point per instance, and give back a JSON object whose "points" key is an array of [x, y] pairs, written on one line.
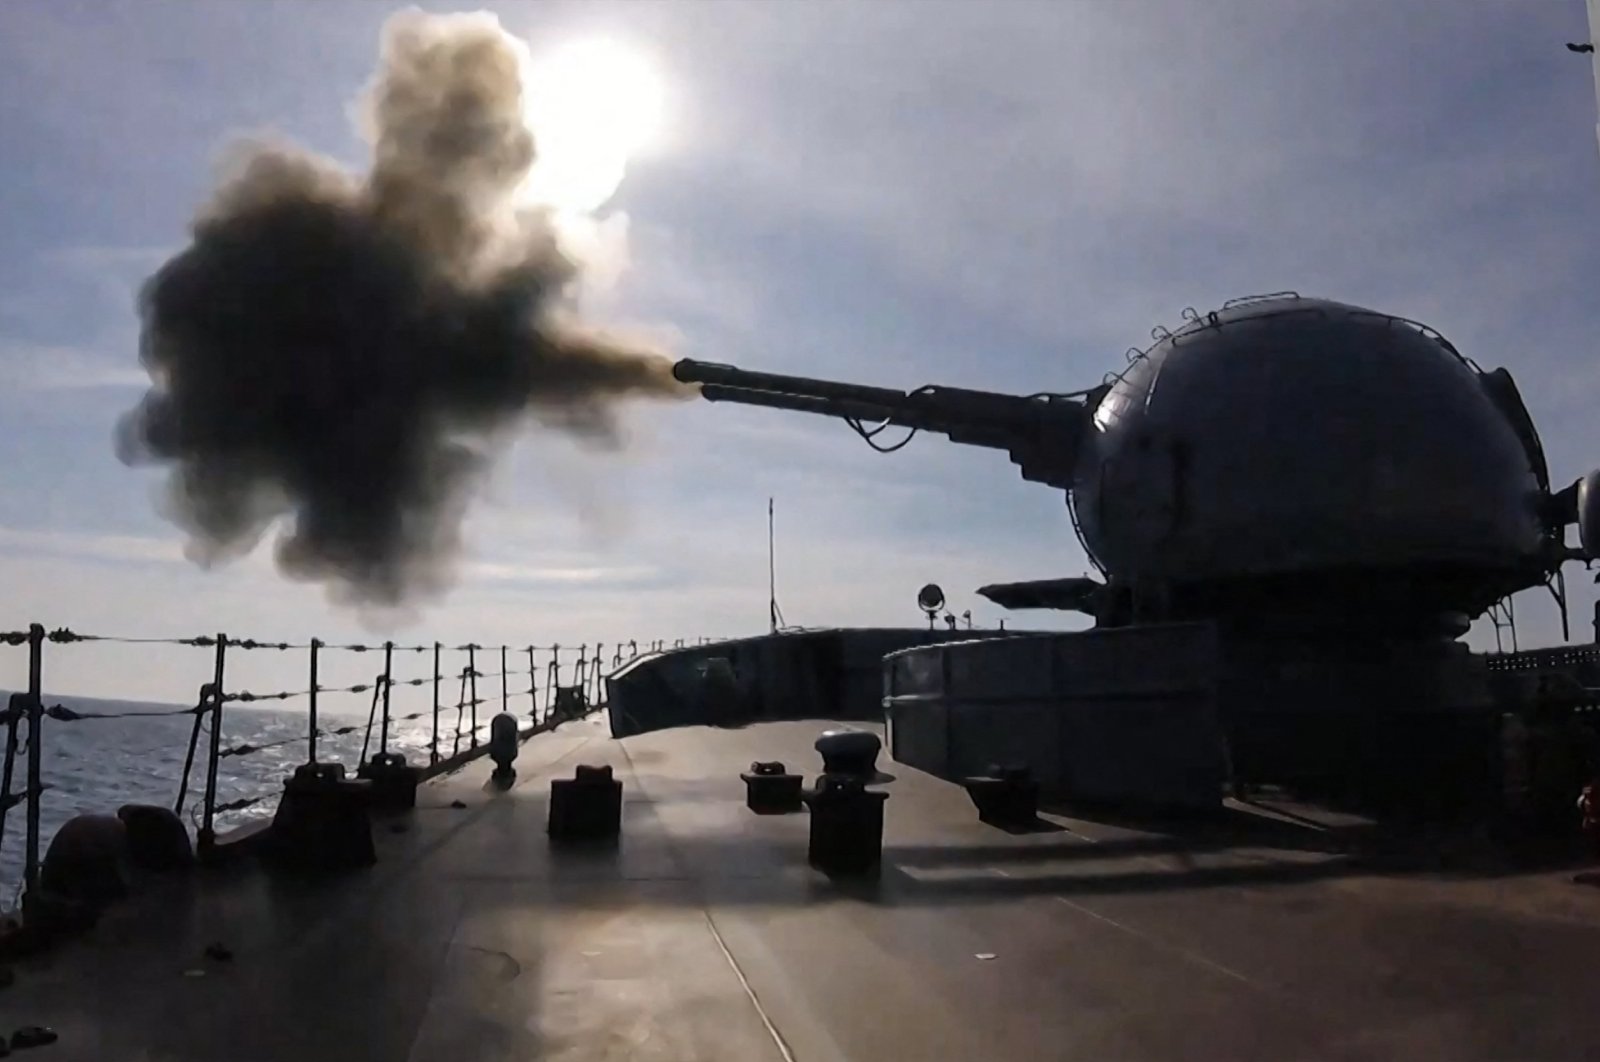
{"points": [[827, 407], [711, 374], [1041, 432]]}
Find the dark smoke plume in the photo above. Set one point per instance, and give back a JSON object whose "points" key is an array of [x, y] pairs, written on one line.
{"points": [[338, 355]]}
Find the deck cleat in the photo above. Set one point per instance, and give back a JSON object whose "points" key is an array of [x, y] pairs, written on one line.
{"points": [[586, 807], [1005, 795], [771, 790], [33, 1036]]}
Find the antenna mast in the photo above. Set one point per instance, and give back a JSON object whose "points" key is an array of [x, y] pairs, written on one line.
{"points": [[1593, 7], [774, 614]]}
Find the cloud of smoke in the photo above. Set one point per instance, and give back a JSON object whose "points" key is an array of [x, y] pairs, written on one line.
{"points": [[340, 355]]}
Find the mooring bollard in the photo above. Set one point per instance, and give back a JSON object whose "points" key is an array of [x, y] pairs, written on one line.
{"points": [[846, 827], [323, 822], [503, 745], [394, 784], [852, 754], [771, 790], [157, 838], [586, 807]]}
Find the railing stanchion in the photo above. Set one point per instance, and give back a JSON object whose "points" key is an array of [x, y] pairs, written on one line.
{"points": [[533, 686], [13, 719], [505, 691], [202, 706], [30, 875], [208, 833], [461, 708], [433, 749], [388, 684], [472, 687], [580, 674], [552, 682], [311, 705]]}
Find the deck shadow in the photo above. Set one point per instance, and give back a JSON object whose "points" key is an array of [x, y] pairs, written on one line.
{"points": [[1022, 829]]}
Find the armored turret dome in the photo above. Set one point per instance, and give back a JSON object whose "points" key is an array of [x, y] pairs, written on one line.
{"points": [[1287, 435]]}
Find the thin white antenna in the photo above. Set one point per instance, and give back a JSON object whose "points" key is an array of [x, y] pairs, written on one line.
{"points": [[1594, 39], [774, 614]]}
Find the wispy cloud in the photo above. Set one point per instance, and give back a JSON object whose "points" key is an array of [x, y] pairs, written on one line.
{"points": [[90, 546], [82, 297], [535, 575], [110, 258], [37, 367]]}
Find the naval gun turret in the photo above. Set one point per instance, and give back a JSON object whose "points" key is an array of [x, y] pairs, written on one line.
{"points": [[1295, 507], [1279, 456]]}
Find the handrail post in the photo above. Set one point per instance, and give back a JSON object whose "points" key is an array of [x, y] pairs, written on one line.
{"points": [[30, 874], [599, 660], [461, 708], [505, 694], [201, 707], [433, 749], [388, 683], [472, 687], [533, 686], [14, 711], [580, 674], [552, 683], [208, 833], [311, 729]]}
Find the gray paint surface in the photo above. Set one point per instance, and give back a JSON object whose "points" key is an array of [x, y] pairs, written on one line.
{"points": [[472, 940], [809, 674], [1294, 435], [1116, 714]]}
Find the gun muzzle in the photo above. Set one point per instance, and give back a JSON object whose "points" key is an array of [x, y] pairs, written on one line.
{"points": [[711, 374], [689, 371]]}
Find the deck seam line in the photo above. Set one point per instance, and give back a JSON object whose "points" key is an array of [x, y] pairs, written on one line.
{"points": [[716, 935], [1192, 956], [749, 991]]}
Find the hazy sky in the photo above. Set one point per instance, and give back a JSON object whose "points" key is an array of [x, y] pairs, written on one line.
{"points": [[991, 195]]}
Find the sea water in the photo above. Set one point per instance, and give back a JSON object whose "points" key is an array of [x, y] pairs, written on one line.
{"points": [[98, 764]]}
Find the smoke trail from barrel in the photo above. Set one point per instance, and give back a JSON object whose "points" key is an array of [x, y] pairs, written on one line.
{"points": [[339, 355]]}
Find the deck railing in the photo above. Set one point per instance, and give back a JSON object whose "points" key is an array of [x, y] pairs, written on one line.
{"points": [[550, 683]]}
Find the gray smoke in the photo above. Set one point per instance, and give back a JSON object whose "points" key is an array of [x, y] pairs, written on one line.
{"points": [[339, 355]]}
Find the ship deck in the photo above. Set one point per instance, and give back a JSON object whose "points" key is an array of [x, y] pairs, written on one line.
{"points": [[705, 936]]}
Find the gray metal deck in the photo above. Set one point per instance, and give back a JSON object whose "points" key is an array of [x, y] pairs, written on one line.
{"points": [[706, 937]]}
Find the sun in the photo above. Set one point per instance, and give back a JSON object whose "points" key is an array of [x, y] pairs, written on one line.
{"points": [[592, 106]]}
